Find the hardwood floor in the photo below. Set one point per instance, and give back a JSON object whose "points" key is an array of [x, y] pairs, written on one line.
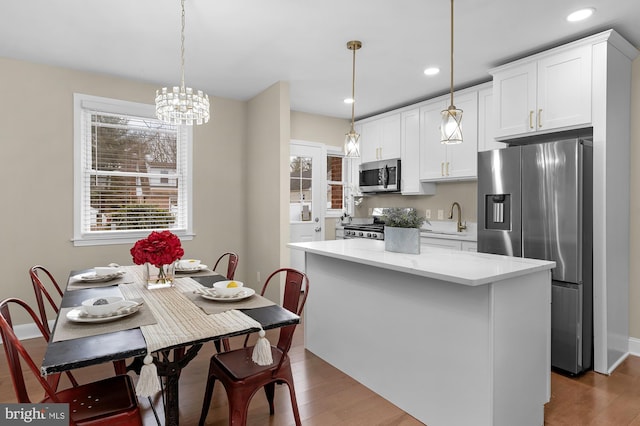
{"points": [[326, 396]]}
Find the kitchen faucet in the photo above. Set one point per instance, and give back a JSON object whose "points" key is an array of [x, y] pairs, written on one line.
{"points": [[460, 225]]}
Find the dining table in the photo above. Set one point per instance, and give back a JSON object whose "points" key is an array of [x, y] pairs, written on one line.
{"points": [[171, 324]]}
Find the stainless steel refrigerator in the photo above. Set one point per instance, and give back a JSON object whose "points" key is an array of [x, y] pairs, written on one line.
{"points": [[535, 201]]}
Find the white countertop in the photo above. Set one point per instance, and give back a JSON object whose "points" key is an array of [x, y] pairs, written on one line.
{"points": [[461, 267]]}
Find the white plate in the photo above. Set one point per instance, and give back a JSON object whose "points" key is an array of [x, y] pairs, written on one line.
{"points": [[78, 314], [91, 277], [198, 268], [210, 294]]}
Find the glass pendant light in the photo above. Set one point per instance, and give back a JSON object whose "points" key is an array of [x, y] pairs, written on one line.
{"points": [[182, 105], [451, 126], [352, 140]]}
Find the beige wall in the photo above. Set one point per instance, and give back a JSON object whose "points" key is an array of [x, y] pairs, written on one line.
{"points": [[317, 128], [446, 193], [266, 202], [36, 118]]}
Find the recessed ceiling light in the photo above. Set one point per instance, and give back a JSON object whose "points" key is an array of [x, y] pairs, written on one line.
{"points": [[431, 71], [581, 14], [348, 101]]}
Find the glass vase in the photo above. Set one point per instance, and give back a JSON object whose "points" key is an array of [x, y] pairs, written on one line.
{"points": [[159, 277]]}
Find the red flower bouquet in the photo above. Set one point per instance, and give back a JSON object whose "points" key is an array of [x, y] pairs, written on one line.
{"points": [[160, 249]]}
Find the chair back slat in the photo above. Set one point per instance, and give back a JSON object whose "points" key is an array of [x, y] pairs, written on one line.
{"points": [[41, 292], [294, 299], [232, 263]]}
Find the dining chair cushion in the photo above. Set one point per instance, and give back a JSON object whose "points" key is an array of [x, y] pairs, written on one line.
{"points": [[98, 401], [239, 367]]}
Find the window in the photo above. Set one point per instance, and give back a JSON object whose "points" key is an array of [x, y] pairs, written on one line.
{"points": [[132, 172], [301, 187], [335, 184]]}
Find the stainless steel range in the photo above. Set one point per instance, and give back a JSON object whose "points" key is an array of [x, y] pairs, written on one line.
{"points": [[372, 231]]}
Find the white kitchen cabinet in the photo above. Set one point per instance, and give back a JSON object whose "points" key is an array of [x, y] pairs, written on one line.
{"points": [[410, 156], [441, 243], [380, 138], [548, 92], [432, 240], [449, 162], [486, 121], [469, 246]]}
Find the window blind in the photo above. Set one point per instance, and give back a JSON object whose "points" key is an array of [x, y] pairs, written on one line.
{"points": [[133, 173]]}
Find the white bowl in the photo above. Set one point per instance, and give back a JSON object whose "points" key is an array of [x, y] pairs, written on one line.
{"points": [[113, 304], [188, 263], [222, 289]]}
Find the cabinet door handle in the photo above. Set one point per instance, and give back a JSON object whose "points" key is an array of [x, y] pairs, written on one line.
{"points": [[447, 168], [531, 119], [441, 168], [540, 117]]}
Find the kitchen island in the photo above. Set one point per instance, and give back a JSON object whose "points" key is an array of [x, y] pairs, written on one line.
{"points": [[452, 338]]}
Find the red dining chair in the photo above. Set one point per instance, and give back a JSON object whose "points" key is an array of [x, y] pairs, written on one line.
{"points": [[241, 377], [109, 401], [232, 264], [41, 292]]}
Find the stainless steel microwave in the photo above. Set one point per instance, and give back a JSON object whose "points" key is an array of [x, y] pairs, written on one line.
{"points": [[380, 176]]}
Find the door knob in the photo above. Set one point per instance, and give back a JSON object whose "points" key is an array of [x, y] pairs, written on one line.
{"points": [[318, 229]]}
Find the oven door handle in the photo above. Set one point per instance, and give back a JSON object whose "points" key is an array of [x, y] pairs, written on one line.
{"points": [[385, 177]]}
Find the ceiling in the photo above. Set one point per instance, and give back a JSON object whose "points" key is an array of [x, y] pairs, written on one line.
{"points": [[237, 48]]}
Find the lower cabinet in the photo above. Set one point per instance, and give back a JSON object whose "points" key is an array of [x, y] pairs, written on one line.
{"points": [[448, 244]]}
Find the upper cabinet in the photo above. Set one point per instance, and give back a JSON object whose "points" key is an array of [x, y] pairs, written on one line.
{"points": [[439, 162], [410, 156], [380, 138], [549, 92], [486, 121]]}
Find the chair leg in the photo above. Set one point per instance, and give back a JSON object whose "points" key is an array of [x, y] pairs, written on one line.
{"points": [[208, 394], [120, 367], [238, 413], [269, 390], [294, 403]]}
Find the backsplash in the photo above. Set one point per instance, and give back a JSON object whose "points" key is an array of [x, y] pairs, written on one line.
{"points": [[465, 193]]}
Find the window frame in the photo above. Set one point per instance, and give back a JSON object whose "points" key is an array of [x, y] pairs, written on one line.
{"points": [[82, 105], [336, 152]]}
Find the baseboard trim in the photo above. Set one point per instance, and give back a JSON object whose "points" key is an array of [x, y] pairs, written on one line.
{"points": [[634, 346], [29, 331]]}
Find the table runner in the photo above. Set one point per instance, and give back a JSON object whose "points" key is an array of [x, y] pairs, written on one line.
{"points": [[179, 321]]}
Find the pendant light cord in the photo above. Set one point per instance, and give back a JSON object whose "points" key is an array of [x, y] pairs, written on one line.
{"points": [[451, 103], [182, 49], [353, 90]]}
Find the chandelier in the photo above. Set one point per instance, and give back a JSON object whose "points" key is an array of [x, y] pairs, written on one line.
{"points": [[451, 127], [352, 140], [182, 105]]}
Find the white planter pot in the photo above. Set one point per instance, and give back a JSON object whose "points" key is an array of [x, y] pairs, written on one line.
{"points": [[402, 240]]}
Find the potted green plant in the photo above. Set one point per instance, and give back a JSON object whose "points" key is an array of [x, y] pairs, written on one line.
{"points": [[402, 230]]}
